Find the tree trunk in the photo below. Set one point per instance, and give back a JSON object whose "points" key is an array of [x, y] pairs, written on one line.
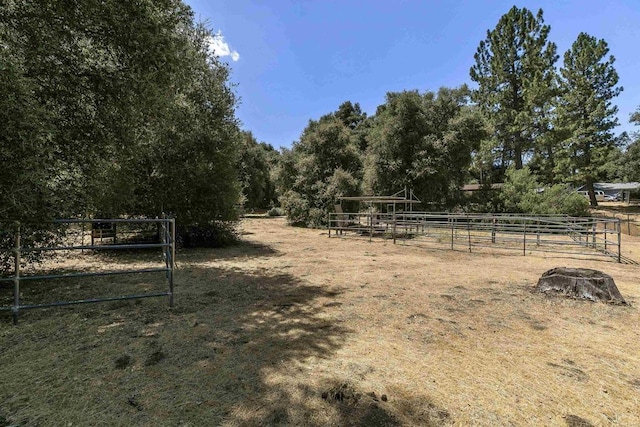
{"points": [[581, 283], [592, 193], [517, 153]]}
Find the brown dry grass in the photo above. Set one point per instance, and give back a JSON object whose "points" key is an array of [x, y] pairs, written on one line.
{"points": [[293, 328]]}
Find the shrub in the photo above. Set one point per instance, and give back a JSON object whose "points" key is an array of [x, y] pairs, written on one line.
{"points": [[317, 218], [296, 208], [522, 193], [213, 235], [275, 212]]}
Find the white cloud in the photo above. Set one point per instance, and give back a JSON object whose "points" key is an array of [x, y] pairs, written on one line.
{"points": [[220, 48]]}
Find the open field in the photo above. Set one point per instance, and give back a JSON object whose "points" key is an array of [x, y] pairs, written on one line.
{"points": [[294, 328]]}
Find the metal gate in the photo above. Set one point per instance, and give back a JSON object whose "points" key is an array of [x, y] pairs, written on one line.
{"points": [[167, 231]]}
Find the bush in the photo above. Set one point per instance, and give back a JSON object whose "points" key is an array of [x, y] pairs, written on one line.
{"points": [[521, 193], [213, 235], [275, 212], [558, 199], [35, 235], [317, 218], [296, 207]]}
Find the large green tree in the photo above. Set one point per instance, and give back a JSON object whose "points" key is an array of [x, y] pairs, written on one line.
{"points": [[325, 164], [255, 164], [588, 85], [116, 108], [630, 162], [423, 142], [514, 70]]}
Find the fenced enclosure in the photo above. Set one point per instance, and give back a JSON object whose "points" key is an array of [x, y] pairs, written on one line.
{"points": [[163, 238], [629, 222], [524, 233]]}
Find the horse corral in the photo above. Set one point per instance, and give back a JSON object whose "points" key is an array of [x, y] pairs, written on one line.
{"points": [[559, 234]]}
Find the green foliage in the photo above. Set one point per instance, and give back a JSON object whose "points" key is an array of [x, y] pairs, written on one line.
{"points": [[514, 69], [114, 107], [211, 235], [256, 161], [613, 168], [517, 185], [630, 161], [635, 117], [324, 165], [296, 206], [522, 193], [275, 211], [423, 142], [588, 83]]}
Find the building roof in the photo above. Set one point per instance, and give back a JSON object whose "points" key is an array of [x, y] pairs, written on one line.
{"points": [[614, 186], [380, 199]]}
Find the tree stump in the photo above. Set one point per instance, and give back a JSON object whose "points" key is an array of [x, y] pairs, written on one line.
{"points": [[584, 283]]}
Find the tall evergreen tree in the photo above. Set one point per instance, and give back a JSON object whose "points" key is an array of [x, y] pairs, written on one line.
{"points": [[514, 69], [630, 162], [588, 86]]}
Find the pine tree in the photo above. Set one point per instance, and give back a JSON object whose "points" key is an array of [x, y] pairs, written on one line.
{"points": [[588, 85], [514, 68]]}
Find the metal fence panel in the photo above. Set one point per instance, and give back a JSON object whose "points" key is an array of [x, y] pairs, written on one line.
{"points": [[167, 245]]}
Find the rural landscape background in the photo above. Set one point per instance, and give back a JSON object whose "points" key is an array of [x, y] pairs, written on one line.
{"points": [[128, 110]]}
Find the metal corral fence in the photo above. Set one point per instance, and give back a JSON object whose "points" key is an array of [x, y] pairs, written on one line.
{"points": [[547, 233], [166, 231], [630, 223]]}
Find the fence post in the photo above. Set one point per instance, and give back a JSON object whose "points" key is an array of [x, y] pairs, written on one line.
{"points": [[493, 229], [394, 225], [16, 280], [619, 241], [451, 220], [329, 223], [469, 232], [172, 265], [605, 235], [524, 236]]}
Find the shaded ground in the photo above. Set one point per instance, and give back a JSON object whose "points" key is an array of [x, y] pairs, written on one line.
{"points": [[293, 328]]}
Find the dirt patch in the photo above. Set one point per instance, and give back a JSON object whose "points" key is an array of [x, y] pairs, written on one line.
{"points": [[359, 409]]}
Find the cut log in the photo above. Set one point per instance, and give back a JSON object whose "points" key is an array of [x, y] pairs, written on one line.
{"points": [[584, 283]]}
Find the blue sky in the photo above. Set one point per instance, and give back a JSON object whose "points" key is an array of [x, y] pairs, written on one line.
{"points": [[296, 60]]}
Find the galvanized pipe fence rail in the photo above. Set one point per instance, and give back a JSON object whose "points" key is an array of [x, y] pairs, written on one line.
{"points": [[546, 233], [166, 231], [630, 223]]}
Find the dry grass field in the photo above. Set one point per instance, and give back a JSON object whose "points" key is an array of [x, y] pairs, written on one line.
{"points": [[293, 328]]}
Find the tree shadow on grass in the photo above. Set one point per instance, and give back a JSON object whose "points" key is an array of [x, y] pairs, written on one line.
{"points": [[242, 249], [231, 352]]}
